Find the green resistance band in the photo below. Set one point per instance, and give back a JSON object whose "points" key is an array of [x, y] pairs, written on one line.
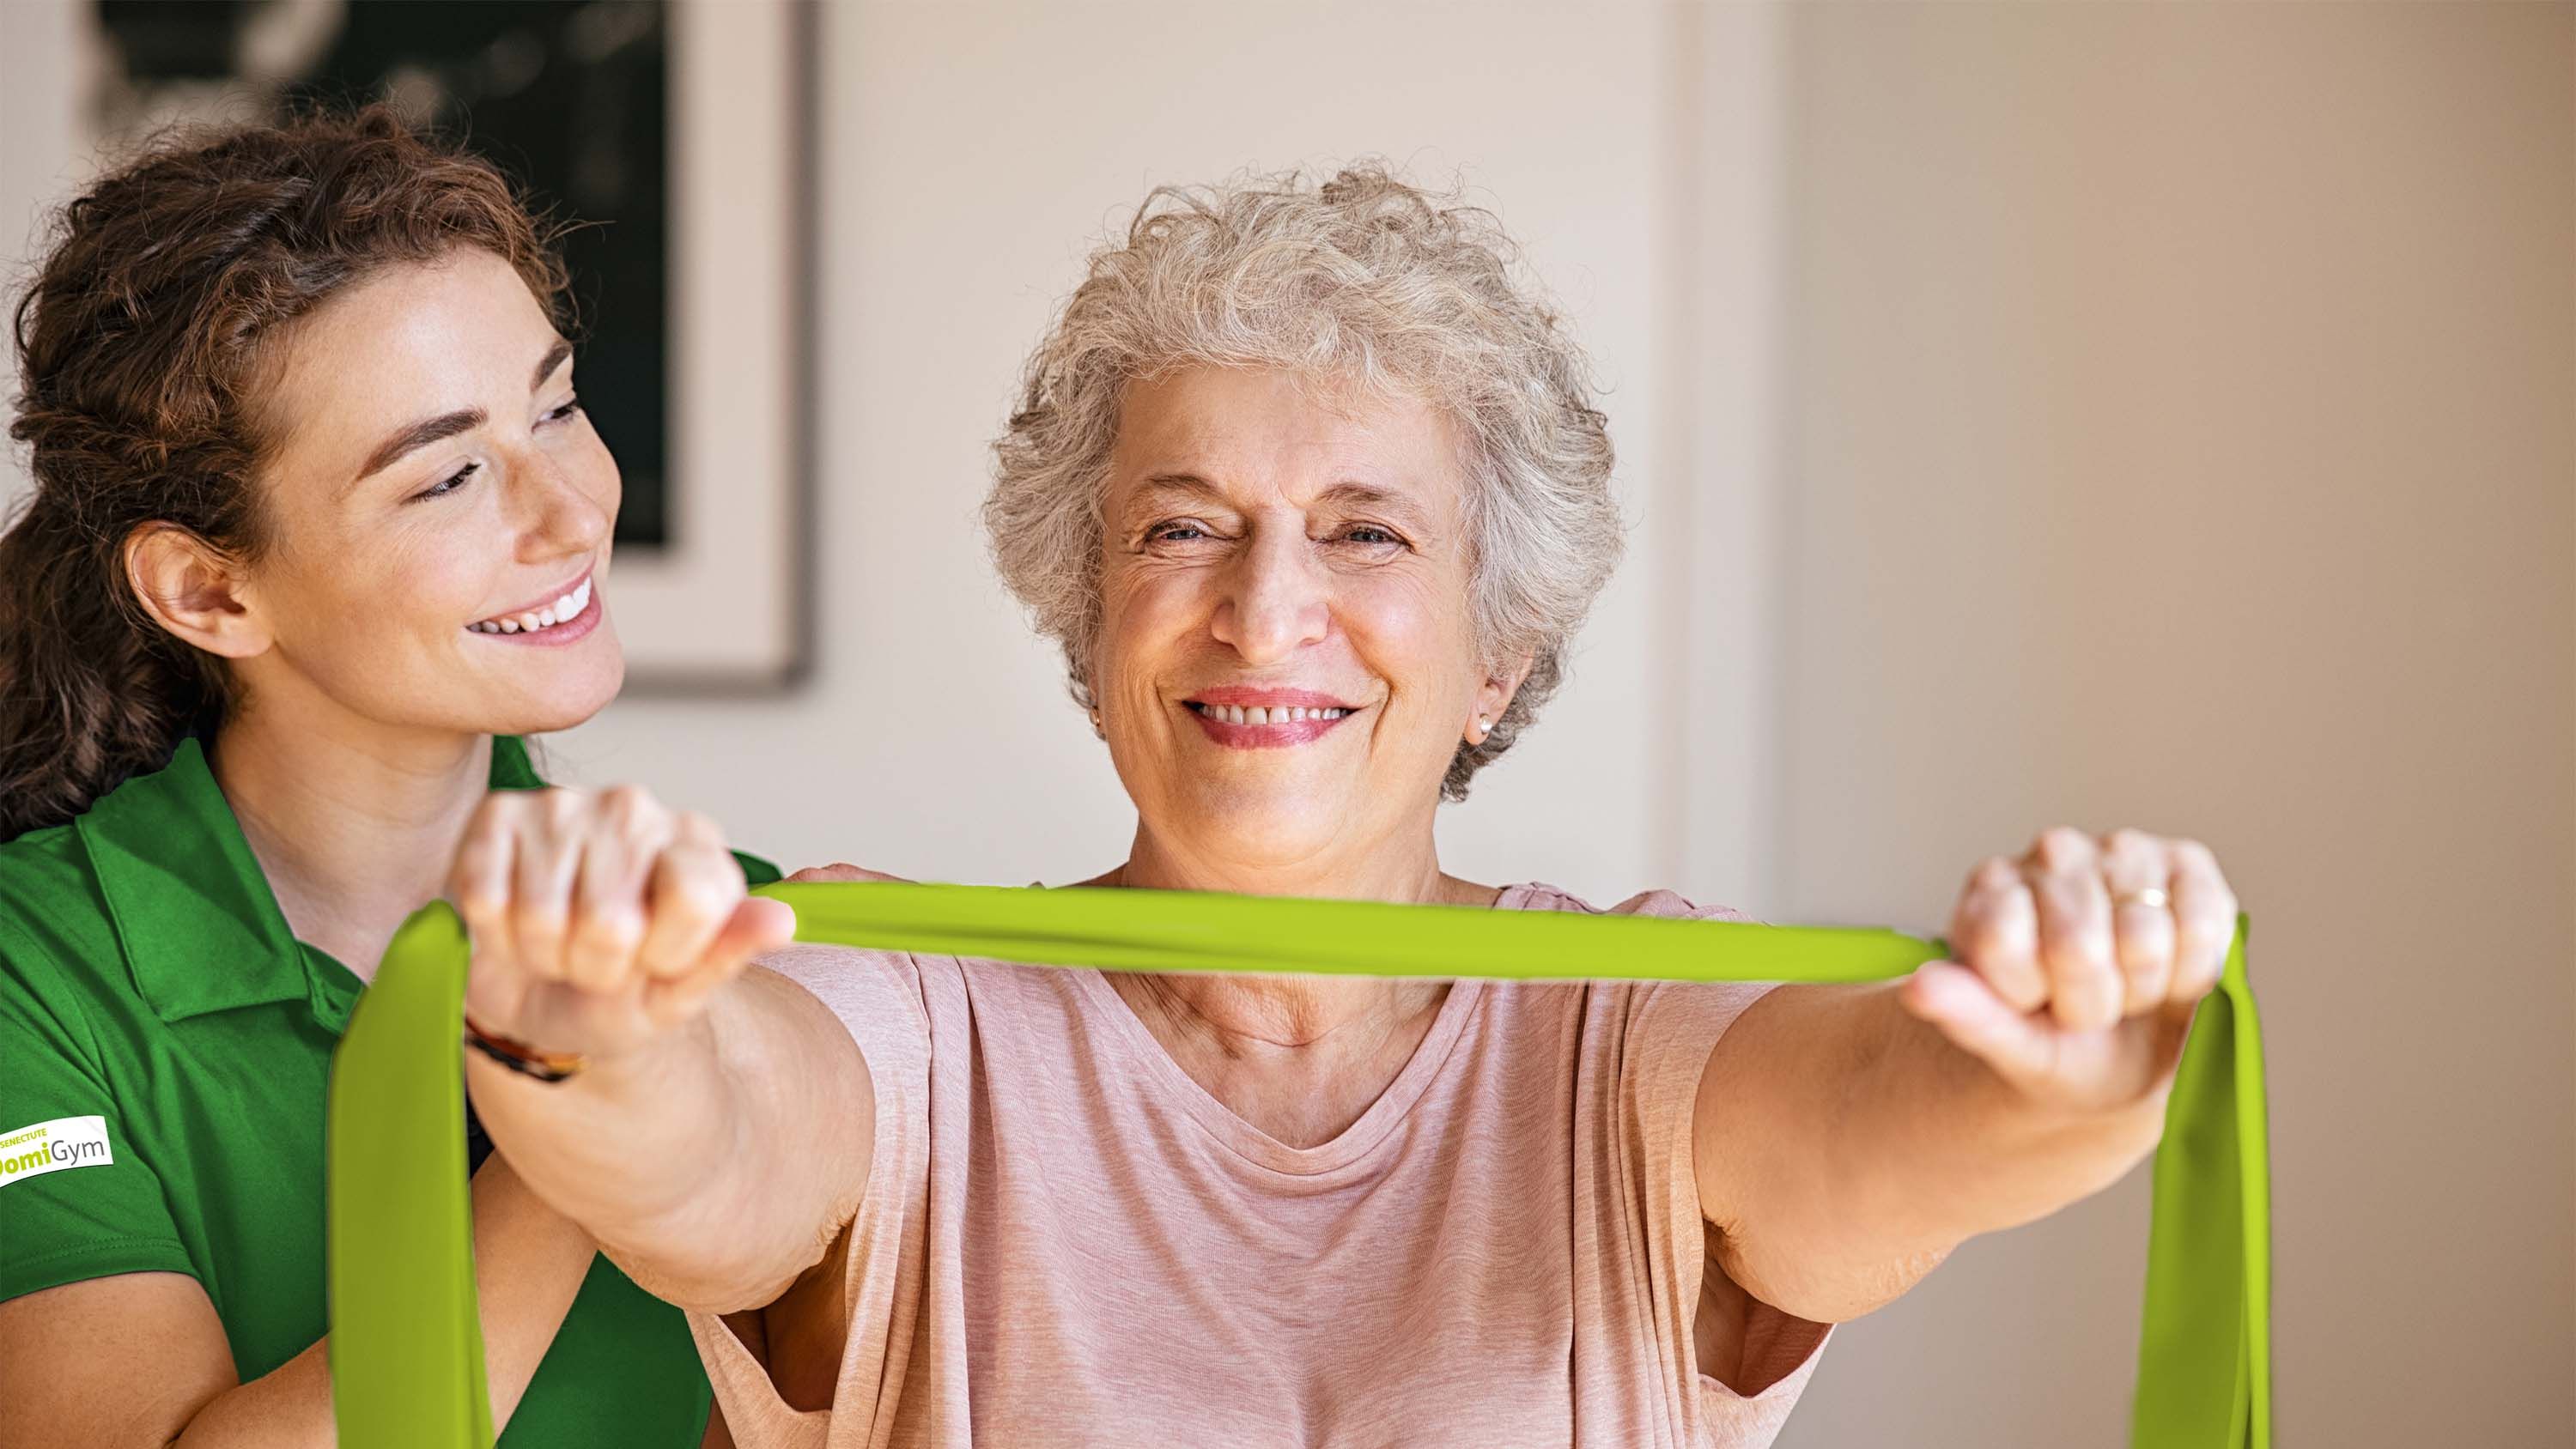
{"points": [[407, 1345]]}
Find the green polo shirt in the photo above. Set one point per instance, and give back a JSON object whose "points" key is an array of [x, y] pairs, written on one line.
{"points": [[173, 1039]]}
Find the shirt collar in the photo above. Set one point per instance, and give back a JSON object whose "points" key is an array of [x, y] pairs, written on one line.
{"points": [[200, 928]]}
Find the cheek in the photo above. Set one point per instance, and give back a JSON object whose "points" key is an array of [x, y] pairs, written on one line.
{"points": [[1411, 628], [369, 593], [593, 469], [1145, 610]]}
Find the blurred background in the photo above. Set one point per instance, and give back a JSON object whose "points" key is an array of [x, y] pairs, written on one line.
{"points": [[2102, 414]]}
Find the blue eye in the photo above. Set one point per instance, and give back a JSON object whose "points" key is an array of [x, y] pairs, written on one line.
{"points": [[1371, 533], [449, 484], [1173, 532]]}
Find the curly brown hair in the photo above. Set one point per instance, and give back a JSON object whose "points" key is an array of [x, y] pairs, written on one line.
{"points": [[140, 342]]}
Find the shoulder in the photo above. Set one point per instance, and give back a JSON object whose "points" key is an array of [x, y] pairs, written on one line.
{"points": [[52, 915], [1538, 896], [62, 973], [44, 869]]}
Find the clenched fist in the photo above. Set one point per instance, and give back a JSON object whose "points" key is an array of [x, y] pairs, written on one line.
{"points": [[600, 921], [2080, 963]]}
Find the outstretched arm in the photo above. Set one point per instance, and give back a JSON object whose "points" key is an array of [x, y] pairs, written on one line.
{"points": [[1847, 1138], [718, 1136]]}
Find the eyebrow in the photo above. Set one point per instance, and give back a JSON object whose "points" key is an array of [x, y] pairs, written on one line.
{"points": [[447, 425]]}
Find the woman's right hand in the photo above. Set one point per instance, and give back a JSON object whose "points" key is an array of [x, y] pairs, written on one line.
{"points": [[601, 921]]}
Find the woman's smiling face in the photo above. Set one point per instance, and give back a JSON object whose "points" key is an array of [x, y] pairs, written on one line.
{"points": [[1287, 659], [438, 509]]}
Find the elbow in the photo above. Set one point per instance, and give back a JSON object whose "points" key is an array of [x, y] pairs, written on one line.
{"points": [[719, 1272]]}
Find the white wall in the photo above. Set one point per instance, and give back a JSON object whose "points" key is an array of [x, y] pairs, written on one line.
{"points": [[2155, 415]]}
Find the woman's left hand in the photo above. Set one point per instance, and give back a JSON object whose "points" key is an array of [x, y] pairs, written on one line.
{"points": [[2072, 980]]}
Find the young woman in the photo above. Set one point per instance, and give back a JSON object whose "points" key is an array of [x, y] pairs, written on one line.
{"points": [[319, 529]]}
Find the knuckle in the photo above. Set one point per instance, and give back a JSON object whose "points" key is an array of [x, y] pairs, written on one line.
{"points": [[1994, 873], [2061, 848], [614, 928], [627, 803], [539, 920], [703, 893]]}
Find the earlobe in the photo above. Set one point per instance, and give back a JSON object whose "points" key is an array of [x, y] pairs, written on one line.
{"points": [[1496, 697], [194, 591]]}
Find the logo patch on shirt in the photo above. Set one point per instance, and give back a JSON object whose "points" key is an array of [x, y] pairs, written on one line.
{"points": [[52, 1146]]}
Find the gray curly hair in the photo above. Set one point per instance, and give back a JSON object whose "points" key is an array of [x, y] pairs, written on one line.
{"points": [[1360, 278]]}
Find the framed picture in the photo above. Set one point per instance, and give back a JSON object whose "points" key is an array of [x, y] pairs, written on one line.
{"points": [[679, 137]]}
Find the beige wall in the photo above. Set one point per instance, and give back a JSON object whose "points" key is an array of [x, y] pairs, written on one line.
{"points": [[2104, 414], [2182, 425]]}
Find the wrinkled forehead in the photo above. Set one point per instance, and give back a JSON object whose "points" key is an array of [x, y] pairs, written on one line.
{"points": [[1267, 436]]}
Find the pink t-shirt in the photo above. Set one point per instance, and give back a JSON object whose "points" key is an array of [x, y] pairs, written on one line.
{"points": [[1067, 1241]]}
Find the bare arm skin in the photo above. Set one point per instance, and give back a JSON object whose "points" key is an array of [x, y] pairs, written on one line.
{"points": [[718, 1142], [139, 1360], [1846, 1139], [715, 1163]]}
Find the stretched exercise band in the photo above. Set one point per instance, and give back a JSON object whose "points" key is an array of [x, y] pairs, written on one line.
{"points": [[407, 1345]]}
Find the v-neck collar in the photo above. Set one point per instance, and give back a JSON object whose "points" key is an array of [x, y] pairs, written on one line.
{"points": [[1259, 1148]]}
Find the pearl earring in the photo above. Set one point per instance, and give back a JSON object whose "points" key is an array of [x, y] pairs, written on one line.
{"points": [[1484, 726]]}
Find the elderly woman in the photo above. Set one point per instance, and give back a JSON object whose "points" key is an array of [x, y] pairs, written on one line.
{"points": [[1311, 491]]}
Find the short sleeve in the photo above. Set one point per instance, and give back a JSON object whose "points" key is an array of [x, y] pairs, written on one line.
{"points": [[78, 1199], [1672, 1029], [877, 996]]}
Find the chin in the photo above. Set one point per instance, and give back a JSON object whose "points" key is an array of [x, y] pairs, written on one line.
{"points": [[1272, 826], [568, 702]]}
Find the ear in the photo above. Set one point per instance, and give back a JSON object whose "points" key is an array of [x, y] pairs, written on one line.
{"points": [[1495, 695], [195, 591]]}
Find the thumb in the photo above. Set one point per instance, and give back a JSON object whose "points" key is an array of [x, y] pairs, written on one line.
{"points": [[758, 924], [1958, 1002]]}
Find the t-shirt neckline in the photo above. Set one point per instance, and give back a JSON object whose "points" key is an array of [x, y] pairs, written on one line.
{"points": [[1178, 1088]]}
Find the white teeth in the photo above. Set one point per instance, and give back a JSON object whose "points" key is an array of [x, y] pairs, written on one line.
{"points": [[1271, 715], [567, 608]]}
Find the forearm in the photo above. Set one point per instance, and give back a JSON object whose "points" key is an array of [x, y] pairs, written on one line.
{"points": [[692, 1160], [1863, 1147], [1931, 1147], [529, 1263]]}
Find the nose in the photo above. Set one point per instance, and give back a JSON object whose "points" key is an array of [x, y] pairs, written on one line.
{"points": [[557, 518], [1274, 600]]}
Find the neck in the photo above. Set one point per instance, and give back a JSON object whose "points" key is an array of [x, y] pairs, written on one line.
{"points": [[1247, 1016], [353, 824], [1405, 869]]}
